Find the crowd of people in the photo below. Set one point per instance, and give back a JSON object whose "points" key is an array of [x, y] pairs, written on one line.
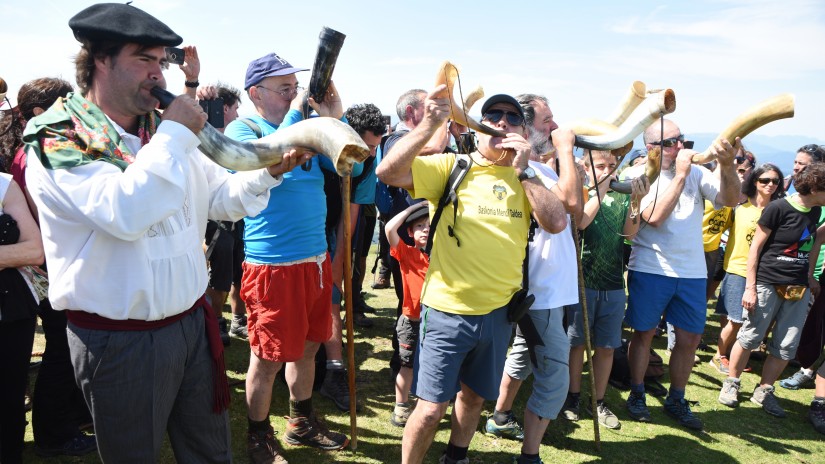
{"points": [[128, 242]]}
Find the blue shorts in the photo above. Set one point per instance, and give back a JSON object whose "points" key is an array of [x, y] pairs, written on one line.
{"points": [[605, 312], [651, 295], [455, 349], [730, 298], [552, 375]]}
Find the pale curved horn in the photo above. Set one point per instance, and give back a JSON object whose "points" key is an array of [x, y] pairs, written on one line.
{"points": [[327, 136], [634, 97], [473, 97], [653, 107], [772, 109], [447, 75], [589, 126]]}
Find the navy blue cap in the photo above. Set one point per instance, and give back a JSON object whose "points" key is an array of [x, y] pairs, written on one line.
{"points": [[119, 22], [501, 98], [267, 66]]}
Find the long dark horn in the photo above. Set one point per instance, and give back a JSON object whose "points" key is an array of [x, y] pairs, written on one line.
{"points": [[327, 136]]}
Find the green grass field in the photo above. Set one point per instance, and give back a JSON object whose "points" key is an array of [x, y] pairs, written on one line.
{"points": [[745, 434]]}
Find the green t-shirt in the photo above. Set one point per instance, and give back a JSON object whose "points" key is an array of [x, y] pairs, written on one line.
{"points": [[602, 248]]}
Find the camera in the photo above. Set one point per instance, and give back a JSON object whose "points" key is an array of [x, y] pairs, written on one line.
{"points": [[214, 111], [174, 55]]}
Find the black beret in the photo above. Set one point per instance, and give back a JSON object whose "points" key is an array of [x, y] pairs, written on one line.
{"points": [[119, 22]]}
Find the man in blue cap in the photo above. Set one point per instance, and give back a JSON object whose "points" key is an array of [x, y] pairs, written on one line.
{"points": [[123, 196], [287, 272], [475, 270]]}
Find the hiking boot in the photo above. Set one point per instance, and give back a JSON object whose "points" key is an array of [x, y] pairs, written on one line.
{"points": [[263, 448], [763, 396], [729, 395], [570, 410], [400, 414], [224, 331], [336, 388], [363, 306], [817, 416], [511, 429], [606, 416], [721, 364], [637, 407], [680, 410], [521, 460], [238, 329], [445, 460], [799, 380], [381, 282], [78, 446], [361, 320], [311, 431]]}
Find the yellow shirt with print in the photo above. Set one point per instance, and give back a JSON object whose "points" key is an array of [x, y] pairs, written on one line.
{"points": [[485, 270], [741, 238], [714, 223]]}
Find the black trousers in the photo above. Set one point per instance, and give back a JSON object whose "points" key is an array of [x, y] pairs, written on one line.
{"points": [[16, 340], [58, 406]]}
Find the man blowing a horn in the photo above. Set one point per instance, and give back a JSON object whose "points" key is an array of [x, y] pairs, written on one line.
{"points": [[667, 272], [475, 270], [123, 196]]}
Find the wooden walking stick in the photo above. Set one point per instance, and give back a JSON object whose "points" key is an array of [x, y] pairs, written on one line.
{"points": [[353, 423], [587, 345]]}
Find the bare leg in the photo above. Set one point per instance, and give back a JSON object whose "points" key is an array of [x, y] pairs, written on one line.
{"points": [[738, 360], [420, 430], [259, 381], [466, 414], [235, 301], [726, 338], [534, 428], [334, 346], [403, 381], [576, 364], [819, 389], [681, 358], [301, 374], [603, 364], [638, 354], [772, 369], [217, 298], [507, 393]]}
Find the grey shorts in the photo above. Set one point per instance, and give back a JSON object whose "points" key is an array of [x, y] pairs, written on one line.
{"points": [[789, 316], [605, 313], [407, 332], [552, 375]]}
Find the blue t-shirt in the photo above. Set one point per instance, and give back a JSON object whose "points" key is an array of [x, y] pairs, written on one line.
{"points": [[291, 227], [365, 191]]}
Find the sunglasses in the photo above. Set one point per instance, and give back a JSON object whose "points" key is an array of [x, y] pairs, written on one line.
{"points": [[671, 142], [768, 180], [494, 116], [812, 148]]}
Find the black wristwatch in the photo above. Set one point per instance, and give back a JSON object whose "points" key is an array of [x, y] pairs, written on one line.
{"points": [[528, 173]]}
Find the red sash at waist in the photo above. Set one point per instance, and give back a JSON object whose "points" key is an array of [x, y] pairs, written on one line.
{"points": [[91, 321]]}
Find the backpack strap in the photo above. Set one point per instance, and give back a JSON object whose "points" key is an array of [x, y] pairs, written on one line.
{"points": [[252, 125], [460, 169]]}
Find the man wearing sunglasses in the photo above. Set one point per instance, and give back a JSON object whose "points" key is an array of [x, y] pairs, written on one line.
{"points": [[667, 272], [475, 265], [806, 155]]}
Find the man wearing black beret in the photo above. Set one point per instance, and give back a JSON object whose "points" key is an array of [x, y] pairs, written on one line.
{"points": [[123, 196]]}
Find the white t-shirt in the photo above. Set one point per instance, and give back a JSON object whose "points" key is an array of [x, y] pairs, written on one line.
{"points": [[552, 267], [675, 248]]}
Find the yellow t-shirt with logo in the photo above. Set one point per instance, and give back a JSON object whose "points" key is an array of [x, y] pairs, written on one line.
{"points": [[741, 237], [485, 270], [714, 224]]}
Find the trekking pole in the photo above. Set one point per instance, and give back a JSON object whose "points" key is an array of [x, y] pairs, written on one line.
{"points": [[348, 311], [587, 345]]}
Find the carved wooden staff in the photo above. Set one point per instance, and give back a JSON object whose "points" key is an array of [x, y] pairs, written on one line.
{"points": [[353, 422]]}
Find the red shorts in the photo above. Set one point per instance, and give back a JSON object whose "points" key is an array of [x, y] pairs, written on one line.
{"points": [[286, 306]]}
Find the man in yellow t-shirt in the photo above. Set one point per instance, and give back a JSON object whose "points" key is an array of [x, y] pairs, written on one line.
{"points": [[475, 265]]}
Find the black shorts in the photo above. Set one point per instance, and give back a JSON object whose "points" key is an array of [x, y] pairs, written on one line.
{"points": [[227, 256], [407, 331]]}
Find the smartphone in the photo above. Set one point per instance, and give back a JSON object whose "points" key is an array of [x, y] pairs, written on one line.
{"points": [[174, 55], [214, 111]]}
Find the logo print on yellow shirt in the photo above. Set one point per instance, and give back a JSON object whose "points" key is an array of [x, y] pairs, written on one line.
{"points": [[499, 191]]}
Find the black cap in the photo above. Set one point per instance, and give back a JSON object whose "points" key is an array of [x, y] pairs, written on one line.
{"points": [[501, 98], [416, 215], [118, 22]]}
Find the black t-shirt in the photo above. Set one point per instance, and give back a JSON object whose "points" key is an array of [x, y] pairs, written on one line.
{"points": [[784, 258]]}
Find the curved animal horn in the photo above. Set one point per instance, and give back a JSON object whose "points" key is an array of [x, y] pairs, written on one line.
{"points": [[447, 75], [634, 97], [584, 127], [473, 97], [327, 136], [643, 116], [772, 109]]}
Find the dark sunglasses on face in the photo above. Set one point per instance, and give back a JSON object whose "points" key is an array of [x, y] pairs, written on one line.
{"points": [[768, 180], [671, 142], [494, 116]]}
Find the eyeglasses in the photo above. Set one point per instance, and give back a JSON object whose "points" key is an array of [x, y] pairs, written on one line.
{"points": [[494, 116], [768, 180], [671, 142], [288, 94]]}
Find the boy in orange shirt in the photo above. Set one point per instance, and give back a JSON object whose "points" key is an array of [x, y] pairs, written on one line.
{"points": [[413, 263]]}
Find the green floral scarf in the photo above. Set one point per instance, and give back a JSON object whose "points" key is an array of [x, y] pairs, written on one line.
{"points": [[74, 132]]}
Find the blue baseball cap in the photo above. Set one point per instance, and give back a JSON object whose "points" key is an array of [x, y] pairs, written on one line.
{"points": [[267, 66]]}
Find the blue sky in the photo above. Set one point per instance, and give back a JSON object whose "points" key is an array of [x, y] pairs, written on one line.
{"points": [[720, 57]]}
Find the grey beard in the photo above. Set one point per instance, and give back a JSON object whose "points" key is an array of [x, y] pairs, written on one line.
{"points": [[539, 143]]}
